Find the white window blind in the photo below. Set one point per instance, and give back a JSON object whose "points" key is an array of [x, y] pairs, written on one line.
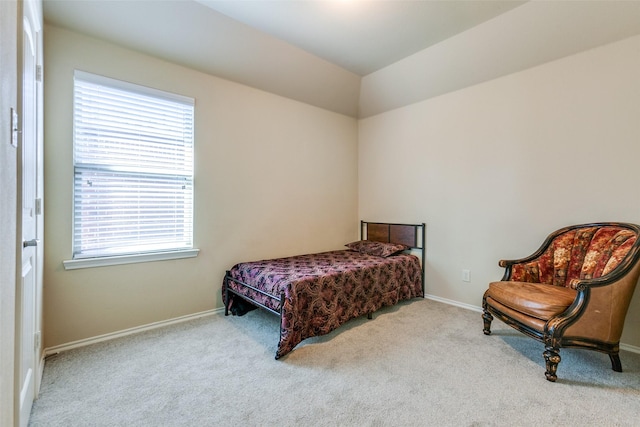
{"points": [[133, 169]]}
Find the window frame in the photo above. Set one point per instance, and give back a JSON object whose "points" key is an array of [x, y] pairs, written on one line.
{"points": [[135, 257]]}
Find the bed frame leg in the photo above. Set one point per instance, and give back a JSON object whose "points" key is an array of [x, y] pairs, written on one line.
{"points": [[369, 316], [226, 294]]}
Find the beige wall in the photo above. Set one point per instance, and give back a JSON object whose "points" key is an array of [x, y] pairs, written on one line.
{"points": [[273, 177], [493, 168]]}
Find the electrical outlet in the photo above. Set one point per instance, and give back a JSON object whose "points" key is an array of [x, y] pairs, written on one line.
{"points": [[466, 276]]}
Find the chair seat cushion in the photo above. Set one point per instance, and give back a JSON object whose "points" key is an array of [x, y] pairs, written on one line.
{"points": [[538, 300]]}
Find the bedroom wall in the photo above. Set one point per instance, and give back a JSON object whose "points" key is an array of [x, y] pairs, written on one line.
{"points": [[493, 168], [274, 177]]}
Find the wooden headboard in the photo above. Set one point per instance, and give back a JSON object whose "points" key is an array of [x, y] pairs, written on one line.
{"points": [[412, 235]]}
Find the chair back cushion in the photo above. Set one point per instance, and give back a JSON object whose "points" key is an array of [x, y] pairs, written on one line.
{"points": [[580, 253]]}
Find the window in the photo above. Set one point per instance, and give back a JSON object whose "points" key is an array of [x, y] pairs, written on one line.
{"points": [[133, 170]]}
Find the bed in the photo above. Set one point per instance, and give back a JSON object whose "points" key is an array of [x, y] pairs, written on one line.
{"points": [[314, 294]]}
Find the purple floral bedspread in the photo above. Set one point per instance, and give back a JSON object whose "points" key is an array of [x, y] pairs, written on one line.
{"points": [[322, 291]]}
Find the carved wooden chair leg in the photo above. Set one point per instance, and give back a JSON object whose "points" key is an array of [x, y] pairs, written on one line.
{"points": [[615, 362], [552, 358], [487, 318]]}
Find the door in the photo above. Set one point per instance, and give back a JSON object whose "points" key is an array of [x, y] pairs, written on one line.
{"points": [[27, 324]]}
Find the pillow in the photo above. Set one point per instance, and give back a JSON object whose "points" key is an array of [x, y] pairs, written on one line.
{"points": [[380, 249]]}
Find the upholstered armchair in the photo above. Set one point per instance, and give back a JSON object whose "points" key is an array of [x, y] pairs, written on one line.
{"points": [[572, 292]]}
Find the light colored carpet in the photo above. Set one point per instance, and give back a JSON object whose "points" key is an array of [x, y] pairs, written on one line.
{"points": [[421, 363]]}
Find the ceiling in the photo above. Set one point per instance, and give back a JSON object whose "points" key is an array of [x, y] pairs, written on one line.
{"points": [[314, 51], [361, 36]]}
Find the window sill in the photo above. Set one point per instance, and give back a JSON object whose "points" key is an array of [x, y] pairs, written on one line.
{"points": [[74, 264]]}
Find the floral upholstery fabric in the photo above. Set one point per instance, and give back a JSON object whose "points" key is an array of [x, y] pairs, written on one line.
{"points": [[319, 292], [583, 253]]}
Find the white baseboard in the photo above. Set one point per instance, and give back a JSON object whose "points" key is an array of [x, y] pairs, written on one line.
{"points": [[456, 303], [123, 333], [623, 346], [628, 347]]}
